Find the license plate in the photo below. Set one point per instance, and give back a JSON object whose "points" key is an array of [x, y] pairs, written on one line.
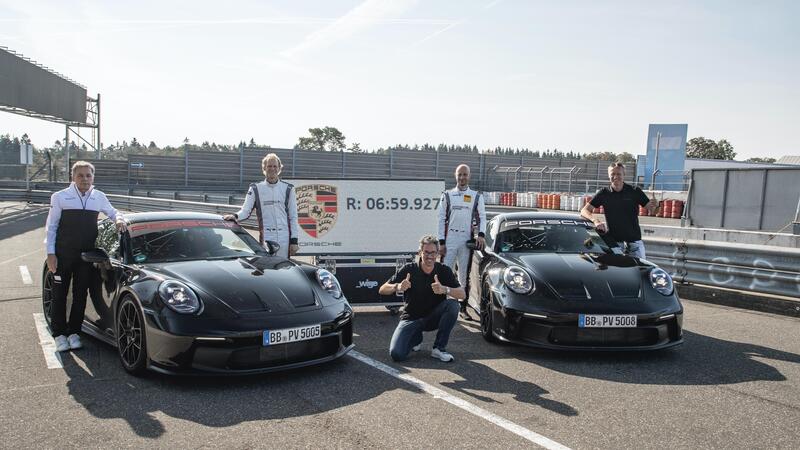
{"points": [[607, 321], [275, 337]]}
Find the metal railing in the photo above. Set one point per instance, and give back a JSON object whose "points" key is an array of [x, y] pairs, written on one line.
{"points": [[753, 268]]}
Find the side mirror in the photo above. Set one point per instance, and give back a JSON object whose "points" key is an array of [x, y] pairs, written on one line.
{"points": [[97, 255], [272, 247]]}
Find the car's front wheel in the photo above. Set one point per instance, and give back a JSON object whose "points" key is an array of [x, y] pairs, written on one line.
{"points": [[47, 296], [131, 345], [486, 316]]}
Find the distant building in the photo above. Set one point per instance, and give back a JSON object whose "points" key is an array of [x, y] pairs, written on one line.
{"points": [[789, 159]]}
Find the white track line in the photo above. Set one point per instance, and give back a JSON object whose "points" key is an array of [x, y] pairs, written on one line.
{"points": [[525, 433], [51, 356], [25, 274]]}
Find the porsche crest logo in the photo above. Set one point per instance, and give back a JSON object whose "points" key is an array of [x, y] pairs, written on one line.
{"points": [[317, 208]]}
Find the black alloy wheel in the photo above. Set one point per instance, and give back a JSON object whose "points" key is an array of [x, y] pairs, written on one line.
{"points": [[47, 296], [130, 337], [486, 316]]}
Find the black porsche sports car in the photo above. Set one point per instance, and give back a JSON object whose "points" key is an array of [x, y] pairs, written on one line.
{"points": [[550, 280], [184, 292]]}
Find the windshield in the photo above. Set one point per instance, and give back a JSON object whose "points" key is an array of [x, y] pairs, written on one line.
{"points": [[557, 238], [188, 240]]}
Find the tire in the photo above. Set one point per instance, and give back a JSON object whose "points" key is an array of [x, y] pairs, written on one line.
{"points": [[130, 337], [47, 296], [486, 317]]}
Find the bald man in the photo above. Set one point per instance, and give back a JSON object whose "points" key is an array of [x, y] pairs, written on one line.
{"points": [[462, 215]]}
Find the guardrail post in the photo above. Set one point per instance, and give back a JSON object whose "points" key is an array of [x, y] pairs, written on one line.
{"points": [[241, 164], [185, 166]]}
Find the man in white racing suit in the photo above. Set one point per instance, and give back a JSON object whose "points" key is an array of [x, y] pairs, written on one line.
{"points": [[276, 208], [462, 214]]}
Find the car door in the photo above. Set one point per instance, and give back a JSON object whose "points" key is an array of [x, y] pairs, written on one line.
{"points": [[106, 279], [479, 260]]}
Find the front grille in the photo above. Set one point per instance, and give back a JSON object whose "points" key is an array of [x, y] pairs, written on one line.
{"points": [[278, 355], [604, 337]]}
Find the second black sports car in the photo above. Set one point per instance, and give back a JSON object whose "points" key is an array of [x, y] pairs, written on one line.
{"points": [[184, 292], [549, 280]]}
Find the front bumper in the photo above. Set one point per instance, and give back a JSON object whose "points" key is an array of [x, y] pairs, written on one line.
{"points": [[561, 332], [243, 353]]}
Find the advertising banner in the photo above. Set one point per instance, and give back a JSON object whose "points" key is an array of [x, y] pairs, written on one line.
{"points": [[353, 217]]}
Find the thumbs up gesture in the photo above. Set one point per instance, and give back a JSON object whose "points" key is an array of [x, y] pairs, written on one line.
{"points": [[437, 286], [405, 284]]}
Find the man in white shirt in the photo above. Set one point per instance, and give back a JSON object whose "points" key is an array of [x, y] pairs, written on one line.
{"points": [[71, 229], [276, 208], [462, 215]]}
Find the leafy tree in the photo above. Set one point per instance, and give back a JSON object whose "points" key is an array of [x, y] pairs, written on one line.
{"points": [[356, 148], [322, 139], [761, 160], [703, 148], [252, 142]]}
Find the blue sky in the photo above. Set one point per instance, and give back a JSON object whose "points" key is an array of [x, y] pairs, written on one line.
{"points": [[574, 75]]}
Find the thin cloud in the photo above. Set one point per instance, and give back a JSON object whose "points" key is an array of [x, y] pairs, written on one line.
{"points": [[360, 18], [492, 4], [433, 35]]}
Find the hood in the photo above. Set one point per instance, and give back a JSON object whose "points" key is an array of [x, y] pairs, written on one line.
{"points": [[246, 285], [583, 277]]}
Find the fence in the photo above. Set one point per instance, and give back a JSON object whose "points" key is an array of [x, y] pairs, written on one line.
{"points": [[754, 268], [744, 199], [229, 170]]}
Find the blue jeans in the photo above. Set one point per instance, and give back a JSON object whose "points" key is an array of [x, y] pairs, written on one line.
{"points": [[633, 248], [409, 332]]}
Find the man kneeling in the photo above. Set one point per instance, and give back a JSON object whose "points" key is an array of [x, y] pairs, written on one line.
{"points": [[430, 291]]}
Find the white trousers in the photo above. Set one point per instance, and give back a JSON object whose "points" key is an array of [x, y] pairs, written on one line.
{"points": [[457, 258]]}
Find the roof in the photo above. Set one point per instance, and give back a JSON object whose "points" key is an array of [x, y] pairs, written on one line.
{"points": [[789, 159], [540, 215], [169, 215]]}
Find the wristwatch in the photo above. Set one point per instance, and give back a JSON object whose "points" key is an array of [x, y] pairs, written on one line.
{"points": [[447, 290]]}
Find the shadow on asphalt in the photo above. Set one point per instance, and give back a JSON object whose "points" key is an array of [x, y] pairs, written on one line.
{"points": [[701, 360], [108, 392], [98, 382], [21, 219]]}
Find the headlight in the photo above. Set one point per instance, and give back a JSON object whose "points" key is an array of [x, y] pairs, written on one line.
{"points": [[178, 297], [518, 280], [329, 282], [661, 281]]}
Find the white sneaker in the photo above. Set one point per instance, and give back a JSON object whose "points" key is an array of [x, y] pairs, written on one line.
{"points": [[74, 341], [417, 347], [61, 343], [441, 356]]}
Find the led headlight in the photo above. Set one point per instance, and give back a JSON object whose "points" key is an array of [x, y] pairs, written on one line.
{"points": [[518, 280], [178, 297], [661, 281], [329, 282]]}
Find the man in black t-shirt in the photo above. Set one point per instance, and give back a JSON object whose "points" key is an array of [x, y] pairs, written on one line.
{"points": [[428, 289], [620, 202]]}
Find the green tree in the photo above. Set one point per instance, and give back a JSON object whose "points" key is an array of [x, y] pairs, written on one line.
{"points": [[758, 159], [356, 148], [322, 139], [703, 148]]}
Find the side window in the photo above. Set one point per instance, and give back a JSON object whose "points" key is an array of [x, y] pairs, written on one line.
{"points": [[108, 238], [491, 234]]}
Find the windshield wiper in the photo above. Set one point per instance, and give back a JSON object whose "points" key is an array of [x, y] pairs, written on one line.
{"points": [[211, 258]]}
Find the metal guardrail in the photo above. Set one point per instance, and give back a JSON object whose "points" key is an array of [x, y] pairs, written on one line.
{"points": [[754, 268]]}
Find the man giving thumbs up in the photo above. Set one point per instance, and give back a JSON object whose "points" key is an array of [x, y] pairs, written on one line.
{"points": [[428, 289]]}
